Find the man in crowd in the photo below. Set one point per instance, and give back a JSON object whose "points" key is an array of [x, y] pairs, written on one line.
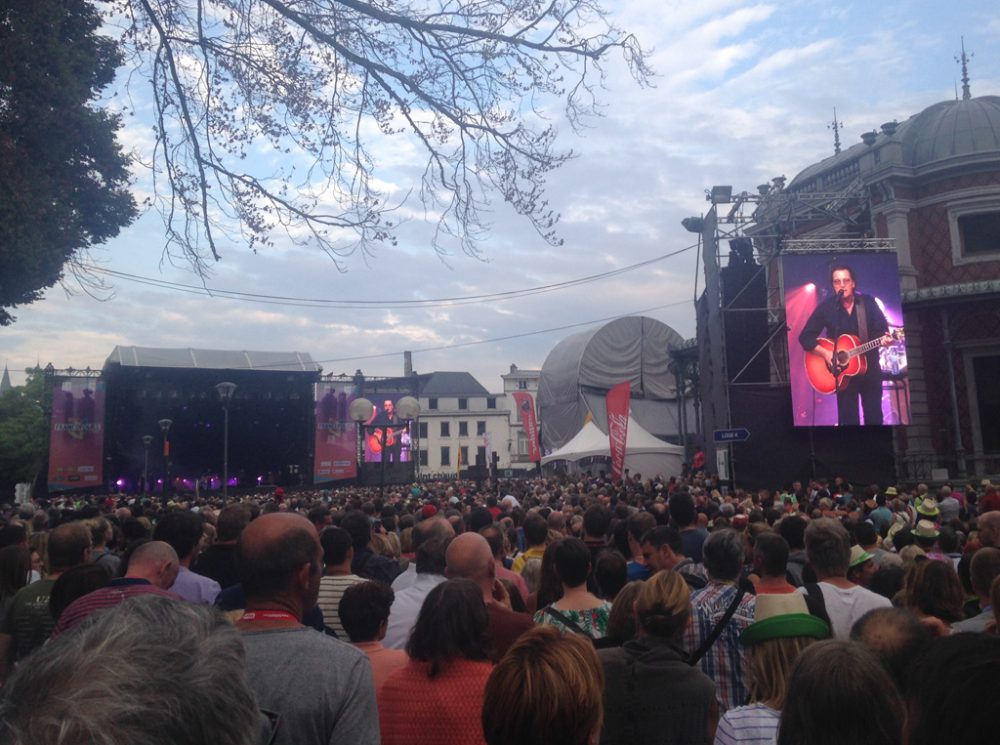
{"points": [[536, 532], [428, 528], [338, 553], [828, 546], [469, 556], [725, 661], [430, 563], [638, 524], [662, 548], [152, 569], [28, 622], [494, 536], [685, 517], [327, 695], [182, 530], [983, 570], [367, 563], [364, 615], [218, 561], [770, 564]]}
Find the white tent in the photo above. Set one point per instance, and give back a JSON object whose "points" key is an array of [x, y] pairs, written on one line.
{"points": [[644, 453]]}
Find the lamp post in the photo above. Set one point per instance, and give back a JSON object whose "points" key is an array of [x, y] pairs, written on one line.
{"points": [[165, 429], [225, 391], [147, 440]]}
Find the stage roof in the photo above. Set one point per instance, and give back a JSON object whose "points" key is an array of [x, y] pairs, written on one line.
{"points": [[211, 359]]}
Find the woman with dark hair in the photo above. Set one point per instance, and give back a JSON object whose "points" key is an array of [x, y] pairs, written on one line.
{"points": [[840, 693], [438, 696], [577, 609], [933, 592], [651, 693], [549, 587]]}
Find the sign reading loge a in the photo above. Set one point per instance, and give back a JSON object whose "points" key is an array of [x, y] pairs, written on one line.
{"points": [[740, 434]]}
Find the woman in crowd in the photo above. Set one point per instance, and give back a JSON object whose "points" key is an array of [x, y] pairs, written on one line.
{"points": [[781, 630], [652, 694], [933, 592], [438, 696], [839, 693], [621, 621], [545, 691], [577, 609]]}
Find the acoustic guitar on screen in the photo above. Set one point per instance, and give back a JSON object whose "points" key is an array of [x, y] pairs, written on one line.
{"points": [[849, 360]]}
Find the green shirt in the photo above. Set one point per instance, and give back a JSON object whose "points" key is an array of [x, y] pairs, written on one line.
{"points": [[28, 619]]}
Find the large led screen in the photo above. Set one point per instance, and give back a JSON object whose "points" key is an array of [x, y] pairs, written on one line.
{"points": [[846, 348], [76, 439]]}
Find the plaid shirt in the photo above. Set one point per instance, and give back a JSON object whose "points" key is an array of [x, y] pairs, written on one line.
{"points": [[725, 662]]}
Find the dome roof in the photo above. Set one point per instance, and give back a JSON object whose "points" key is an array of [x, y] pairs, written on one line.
{"points": [[944, 131], [951, 129]]}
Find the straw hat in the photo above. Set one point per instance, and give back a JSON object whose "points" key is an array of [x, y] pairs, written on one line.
{"points": [[926, 529], [859, 556], [780, 616], [929, 507], [891, 492]]}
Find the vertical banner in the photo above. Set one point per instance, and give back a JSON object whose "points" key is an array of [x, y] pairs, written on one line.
{"points": [[846, 349], [76, 442], [336, 434], [526, 412], [617, 404]]}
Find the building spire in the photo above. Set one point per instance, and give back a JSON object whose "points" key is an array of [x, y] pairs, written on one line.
{"points": [[836, 126], [5, 384], [964, 62]]}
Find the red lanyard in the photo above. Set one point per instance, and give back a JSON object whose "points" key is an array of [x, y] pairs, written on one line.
{"points": [[252, 616]]}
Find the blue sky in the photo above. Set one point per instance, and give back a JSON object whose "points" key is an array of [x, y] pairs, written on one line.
{"points": [[744, 93]]}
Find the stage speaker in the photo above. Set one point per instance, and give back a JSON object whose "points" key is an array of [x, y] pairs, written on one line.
{"points": [[744, 300]]}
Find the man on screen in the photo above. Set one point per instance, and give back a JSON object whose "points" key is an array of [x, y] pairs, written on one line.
{"points": [[849, 312], [393, 431]]}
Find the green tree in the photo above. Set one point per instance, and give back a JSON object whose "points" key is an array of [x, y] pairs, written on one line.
{"points": [[64, 180], [24, 443]]}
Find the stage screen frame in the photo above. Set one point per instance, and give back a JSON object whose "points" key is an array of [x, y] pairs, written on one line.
{"points": [[806, 284]]}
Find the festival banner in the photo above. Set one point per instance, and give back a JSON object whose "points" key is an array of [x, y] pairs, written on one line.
{"points": [[617, 404], [76, 440], [336, 434], [526, 412]]}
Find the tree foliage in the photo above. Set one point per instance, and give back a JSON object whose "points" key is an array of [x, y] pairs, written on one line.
{"points": [[313, 85], [23, 432], [63, 177]]}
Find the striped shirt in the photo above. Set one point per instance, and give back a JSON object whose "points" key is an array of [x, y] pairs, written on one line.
{"points": [[331, 590], [755, 724], [725, 662]]}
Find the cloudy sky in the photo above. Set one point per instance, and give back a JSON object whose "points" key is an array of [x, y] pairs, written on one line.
{"points": [[744, 92]]}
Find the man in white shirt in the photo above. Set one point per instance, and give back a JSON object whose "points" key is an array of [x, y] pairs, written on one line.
{"points": [[406, 607], [828, 547]]}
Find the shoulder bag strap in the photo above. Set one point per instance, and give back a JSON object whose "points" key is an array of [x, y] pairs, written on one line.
{"points": [[567, 621], [717, 631]]}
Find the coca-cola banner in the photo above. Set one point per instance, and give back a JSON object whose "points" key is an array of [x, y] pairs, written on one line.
{"points": [[76, 441], [336, 433], [526, 412], [617, 405]]}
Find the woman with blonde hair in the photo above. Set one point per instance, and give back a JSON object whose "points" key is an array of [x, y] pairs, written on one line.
{"points": [[781, 630], [652, 694], [545, 691]]}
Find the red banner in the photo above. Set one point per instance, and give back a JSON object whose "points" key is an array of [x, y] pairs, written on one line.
{"points": [[617, 404], [526, 412], [76, 442], [336, 434]]}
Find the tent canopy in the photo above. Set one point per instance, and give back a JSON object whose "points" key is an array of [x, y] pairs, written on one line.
{"points": [[644, 453]]}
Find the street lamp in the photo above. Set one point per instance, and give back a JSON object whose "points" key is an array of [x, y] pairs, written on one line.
{"points": [[225, 391], [165, 429], [147, 440]]}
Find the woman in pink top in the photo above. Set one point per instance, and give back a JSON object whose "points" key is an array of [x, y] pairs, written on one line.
{"points": [[438, 696]]}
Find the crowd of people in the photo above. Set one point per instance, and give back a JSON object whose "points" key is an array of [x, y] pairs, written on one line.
{"points": [[569, 610]]}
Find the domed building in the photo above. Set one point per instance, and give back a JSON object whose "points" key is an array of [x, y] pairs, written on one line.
{"points": [[931, 184]]}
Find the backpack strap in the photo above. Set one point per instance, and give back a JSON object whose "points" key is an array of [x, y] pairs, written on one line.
{"points": [[816, 602]]}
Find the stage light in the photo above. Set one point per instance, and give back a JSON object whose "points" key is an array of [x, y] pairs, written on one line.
{"points": [[721, 195], [693, 224], [811, 287]]}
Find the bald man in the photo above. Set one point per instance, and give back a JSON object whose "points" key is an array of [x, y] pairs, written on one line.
{"points": [[152, 569], [320, 687], [469, 556], [988, 526]]}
